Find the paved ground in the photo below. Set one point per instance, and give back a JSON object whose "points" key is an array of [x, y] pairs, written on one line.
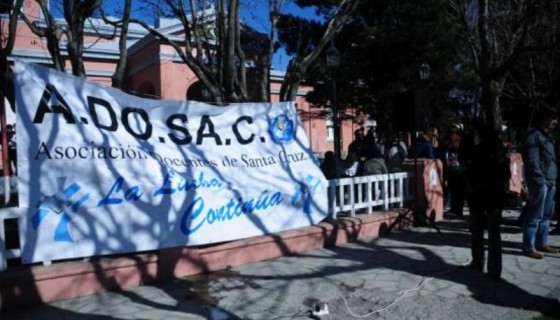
{"points": [[415, 274]]}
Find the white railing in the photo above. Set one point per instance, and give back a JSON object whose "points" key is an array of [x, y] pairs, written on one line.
{"points": [[348, 195]]}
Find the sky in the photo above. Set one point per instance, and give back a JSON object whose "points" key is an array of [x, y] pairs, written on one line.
{"points": [[253, 12]]}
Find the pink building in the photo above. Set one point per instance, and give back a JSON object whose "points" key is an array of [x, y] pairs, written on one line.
{"points": [[155, 71]]}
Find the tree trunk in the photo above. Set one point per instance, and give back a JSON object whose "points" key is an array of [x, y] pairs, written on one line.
{"points": [[490, 101], [8, 33], [491, 87], [118, 77], [264, 63], [292, 80], [53, 33], [75, 13], [231, 59]]}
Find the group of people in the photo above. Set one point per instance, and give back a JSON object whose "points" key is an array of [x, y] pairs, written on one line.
{"points": [[366, 156], [476, 169]]}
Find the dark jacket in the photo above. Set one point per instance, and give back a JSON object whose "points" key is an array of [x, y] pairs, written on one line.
{"points": [[423, 149], [374, 166], [395, 156], [488, 174], [539, 159]]}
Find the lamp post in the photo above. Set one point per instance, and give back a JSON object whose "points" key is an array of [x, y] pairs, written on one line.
{"points": [[418, 210], [333, 62], [424, 76]]}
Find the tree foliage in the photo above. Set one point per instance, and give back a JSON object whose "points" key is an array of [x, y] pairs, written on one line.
{"points": [[401, 36], [221, 51], [310, 44], [383, 45]]}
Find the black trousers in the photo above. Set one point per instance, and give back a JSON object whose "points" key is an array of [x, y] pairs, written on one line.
{"points": [[456, 185], [12, 161], [484, 217]]}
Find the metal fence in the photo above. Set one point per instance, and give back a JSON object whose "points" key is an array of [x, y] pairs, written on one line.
{"points": [[347, 196]]}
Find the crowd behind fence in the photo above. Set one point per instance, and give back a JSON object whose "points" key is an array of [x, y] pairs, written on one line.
{"points": [[347, 196]]}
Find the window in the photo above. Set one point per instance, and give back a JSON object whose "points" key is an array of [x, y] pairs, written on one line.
{"points": [[198, 92]]}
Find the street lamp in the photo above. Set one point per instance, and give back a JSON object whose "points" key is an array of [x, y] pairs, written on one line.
{"points": [[333, 62], [424, 75], [333, 57], [419, 210], [424, 71]]}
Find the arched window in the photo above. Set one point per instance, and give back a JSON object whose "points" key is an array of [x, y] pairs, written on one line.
{"points": [[198, 92]]}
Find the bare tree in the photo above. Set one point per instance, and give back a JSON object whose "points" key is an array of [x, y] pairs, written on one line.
{"points": [[534, 79], [497, 33], [212, 48], [51, 31], [76, 12], [208, 46], [211, 44]]}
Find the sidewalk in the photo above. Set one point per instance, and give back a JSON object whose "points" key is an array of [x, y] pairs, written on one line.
{"points": [[414, 274]]}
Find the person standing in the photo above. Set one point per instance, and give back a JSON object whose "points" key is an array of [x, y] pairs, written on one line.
{"points": [[328, 166], [487, 175], [423, 148], [541, 171], [358, 145], [453, 168], [434, 137], [374, 163], [396, 154]]}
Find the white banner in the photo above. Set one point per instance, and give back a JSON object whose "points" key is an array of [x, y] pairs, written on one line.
{"points": [[104, 172]]}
